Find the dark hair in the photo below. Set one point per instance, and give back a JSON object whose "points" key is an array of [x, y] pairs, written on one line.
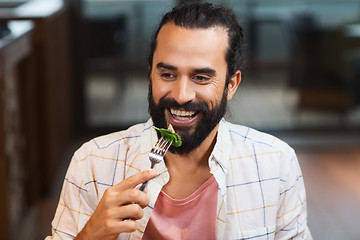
{"points": [[206, 15]]}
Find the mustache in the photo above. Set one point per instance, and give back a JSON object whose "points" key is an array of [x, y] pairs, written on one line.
{"points": [[188, 106]]}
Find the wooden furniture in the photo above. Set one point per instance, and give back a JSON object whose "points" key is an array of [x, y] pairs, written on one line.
{"points": [[14, 48], [47, 95], [35, 111]]}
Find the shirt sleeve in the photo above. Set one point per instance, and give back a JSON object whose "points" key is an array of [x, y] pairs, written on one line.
{"points": [[292, 213], [75, 205]]}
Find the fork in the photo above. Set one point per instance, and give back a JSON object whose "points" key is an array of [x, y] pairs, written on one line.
{"points": [[156, 155]]}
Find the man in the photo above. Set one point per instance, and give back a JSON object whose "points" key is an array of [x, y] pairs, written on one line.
{"points": [[225, 181]]}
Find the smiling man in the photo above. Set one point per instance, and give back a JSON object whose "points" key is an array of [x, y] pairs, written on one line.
{"points": [[188, 86], [224, 182]]}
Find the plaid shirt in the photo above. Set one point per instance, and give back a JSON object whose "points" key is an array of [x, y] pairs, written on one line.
{"points": [[261, 190]]}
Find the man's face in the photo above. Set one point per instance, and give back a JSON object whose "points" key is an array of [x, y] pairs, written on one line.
{"points": [[187, 82]]}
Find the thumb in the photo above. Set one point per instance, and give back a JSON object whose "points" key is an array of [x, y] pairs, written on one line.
{"points": [[136, 179]]}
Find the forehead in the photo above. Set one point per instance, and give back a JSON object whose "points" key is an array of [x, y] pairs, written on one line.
{"points": [[177, 43]]}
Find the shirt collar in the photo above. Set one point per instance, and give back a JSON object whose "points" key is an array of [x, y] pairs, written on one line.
{"points": [[219, 158], [221, 151]]}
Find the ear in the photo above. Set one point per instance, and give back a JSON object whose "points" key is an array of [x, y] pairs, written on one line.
{"points": [[233, 84]]}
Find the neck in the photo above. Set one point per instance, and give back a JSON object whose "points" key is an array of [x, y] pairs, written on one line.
{"points": [[196, 158], [188, 172]]}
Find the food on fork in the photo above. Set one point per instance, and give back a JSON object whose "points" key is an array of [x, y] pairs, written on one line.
{"points": [[170, 135]]}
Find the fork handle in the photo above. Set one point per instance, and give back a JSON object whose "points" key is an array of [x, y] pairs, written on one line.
{"points": [[143, 186]]}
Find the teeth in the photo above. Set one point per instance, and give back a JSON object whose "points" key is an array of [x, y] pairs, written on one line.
{"points": [[182, 113]]}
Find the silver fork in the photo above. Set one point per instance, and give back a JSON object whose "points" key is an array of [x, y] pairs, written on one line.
{"points": [[156, 155]]}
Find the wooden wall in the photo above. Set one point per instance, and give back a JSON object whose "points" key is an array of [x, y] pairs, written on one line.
{"points": [[35, 110]]}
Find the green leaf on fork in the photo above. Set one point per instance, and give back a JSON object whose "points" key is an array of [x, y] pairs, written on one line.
{"points": [[170, 136]]}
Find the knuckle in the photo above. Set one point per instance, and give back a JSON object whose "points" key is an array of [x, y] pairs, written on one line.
{"points": [[141, 213], [108, 226], [143, 199], [136, 211], [132, 180], [131, 226], [108, 193], [134, 208], [133, 194], [106, 200], [146, 201], [144, 174], [105, 195], [139, 177]]}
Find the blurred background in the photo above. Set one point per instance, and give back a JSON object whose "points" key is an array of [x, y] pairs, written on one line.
{"points": [[74, 69]]}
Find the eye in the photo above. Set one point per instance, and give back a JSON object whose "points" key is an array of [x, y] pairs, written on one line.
{"points": [[167, 76], [201, 78]]}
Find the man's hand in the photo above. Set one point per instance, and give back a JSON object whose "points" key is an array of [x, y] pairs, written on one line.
{"points": [[119, 202]]}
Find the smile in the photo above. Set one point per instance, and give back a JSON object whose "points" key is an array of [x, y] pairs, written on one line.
{"points": [[181, 117], [181, 114]]}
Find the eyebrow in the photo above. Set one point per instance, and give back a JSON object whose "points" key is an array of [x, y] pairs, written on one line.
{"points": [[205, 70], [166, 66]]}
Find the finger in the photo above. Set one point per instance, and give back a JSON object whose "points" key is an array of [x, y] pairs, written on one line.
{"points": [[133, 196], [130, 211], [136, 179], [123, 226]]}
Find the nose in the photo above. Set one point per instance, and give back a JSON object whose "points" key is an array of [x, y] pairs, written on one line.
{"points": [[183, 91]]}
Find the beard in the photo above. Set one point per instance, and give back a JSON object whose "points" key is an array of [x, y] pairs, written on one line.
{"points": [[190, 139]]}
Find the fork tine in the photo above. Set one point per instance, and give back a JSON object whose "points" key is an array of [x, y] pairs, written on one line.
{"points": [[158, 147], [161, 146], [167, 145], [164, 145], [161, 142]]}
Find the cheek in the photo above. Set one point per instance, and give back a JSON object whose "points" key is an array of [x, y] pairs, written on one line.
{"points": [[211, 94], [159, 90]]}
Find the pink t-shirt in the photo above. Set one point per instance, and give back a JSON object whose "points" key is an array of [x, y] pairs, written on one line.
{"points": [[191, 218]]}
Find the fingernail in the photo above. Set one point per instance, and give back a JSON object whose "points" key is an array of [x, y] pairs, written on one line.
{"points": [[153, 171]]}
